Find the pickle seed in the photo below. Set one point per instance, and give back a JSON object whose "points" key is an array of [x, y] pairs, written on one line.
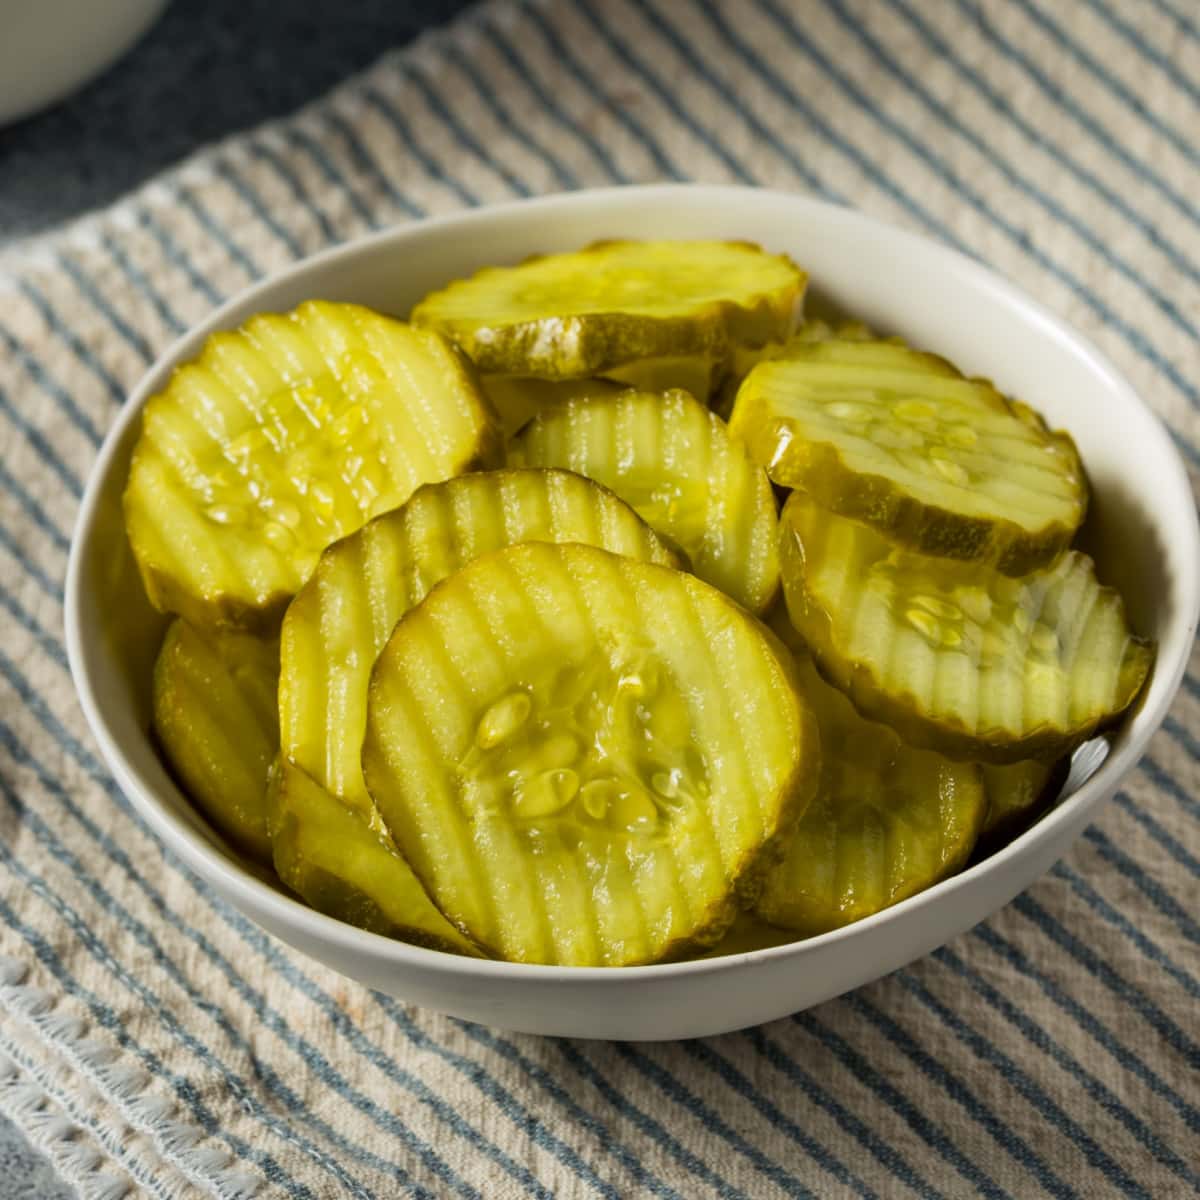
{"points": [[502, 720], [226, 514]]}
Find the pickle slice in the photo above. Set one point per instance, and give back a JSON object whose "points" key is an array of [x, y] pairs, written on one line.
{"points": [[568, 316], [957, 657], [944, 464], [887, 820], [1016, 794], [586, 759], [340, 866], [339, 621], [216, 720], [674, 462], [283, 436]]}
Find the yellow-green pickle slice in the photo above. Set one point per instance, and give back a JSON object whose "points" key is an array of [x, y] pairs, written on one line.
{"points": [[897, 437], [216, 720], [599, 310], [281, 437], [329, 855], [887, 820], [587, 759], [673, 460], [956, 657]]}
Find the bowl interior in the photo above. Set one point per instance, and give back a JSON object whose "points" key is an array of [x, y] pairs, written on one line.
{"points": [[1142, 528]]}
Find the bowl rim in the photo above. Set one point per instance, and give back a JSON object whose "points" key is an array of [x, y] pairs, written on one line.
{"points": [[216, 867]]}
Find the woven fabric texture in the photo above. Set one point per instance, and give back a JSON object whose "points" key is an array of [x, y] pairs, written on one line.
{"points": [[155, 1041]]}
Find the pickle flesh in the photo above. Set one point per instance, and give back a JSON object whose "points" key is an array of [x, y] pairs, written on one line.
{"points": [[216, 720], [340, 866], [956, 657], [893, 436], [282, 436], [673, 460], [339, 621], [556, 740], [887, 820], [595, 311]]}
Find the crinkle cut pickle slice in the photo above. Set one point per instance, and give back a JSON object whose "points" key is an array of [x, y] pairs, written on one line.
{"points": [[959, 658], [898, 438], [598, 310], [555, 740], [282, 436], [674, 461]]}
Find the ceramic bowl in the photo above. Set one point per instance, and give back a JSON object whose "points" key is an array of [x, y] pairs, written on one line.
{"points": [[1142, 530], [51, 48]]}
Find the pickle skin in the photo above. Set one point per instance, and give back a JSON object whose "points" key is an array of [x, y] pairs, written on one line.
{"points": [[947, 733]]}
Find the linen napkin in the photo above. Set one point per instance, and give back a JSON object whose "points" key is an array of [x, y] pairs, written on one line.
{"points": [[155, 1043]]}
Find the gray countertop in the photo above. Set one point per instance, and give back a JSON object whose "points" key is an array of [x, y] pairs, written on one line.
{"points": [[208, 68]]}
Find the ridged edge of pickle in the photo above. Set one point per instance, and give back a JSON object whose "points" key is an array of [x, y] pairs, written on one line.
{"points": [[581, 345], [948, 737], [820, 469]]}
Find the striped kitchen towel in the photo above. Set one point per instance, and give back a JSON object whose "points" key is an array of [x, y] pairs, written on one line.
{"points": [[152, 1040]]}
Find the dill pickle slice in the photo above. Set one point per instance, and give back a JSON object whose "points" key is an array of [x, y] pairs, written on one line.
{"points": [[216, 720], [339, 621], [1017, 793], [337, 864], [517, 400], [897, 437], [958, 657], [587, 759], [283, 436], [569, 316], [887, 820], [674, 462]]}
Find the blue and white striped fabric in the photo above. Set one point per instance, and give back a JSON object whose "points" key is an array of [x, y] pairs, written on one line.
{"points": [[152, 1039]]}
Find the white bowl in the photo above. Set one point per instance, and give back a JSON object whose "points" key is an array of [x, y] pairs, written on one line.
{"points": [[1143, 532], [51, 48]]}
